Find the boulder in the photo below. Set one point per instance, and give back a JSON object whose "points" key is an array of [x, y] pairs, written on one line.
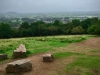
{"points": [[48, 58], [20, 52], [19, 66], [3, 56], [43, 40]]}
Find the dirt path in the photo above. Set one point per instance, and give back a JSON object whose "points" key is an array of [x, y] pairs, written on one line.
{"points": [[54, 68], [42, 68], [93, 43]]}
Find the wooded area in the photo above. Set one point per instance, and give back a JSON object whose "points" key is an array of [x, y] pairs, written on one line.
{"points": [[40, 28]]}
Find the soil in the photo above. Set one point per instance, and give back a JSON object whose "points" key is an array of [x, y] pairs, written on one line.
{"points": [[93, 43], [58, 66]]}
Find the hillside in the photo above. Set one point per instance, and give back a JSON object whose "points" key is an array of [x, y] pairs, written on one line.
{"points": [[81, 58]]}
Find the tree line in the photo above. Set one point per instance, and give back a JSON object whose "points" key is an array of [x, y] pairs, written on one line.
{"points": [[40, 28]]}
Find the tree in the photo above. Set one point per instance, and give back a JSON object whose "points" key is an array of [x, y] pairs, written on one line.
{"points": [[88, 23], [41, 29], [33, 28], [97, 30], [5, 30], [52, 30], [38, 28], [77, 30], [76, 22], [91, 29], [85, 24], [14, 32], [57, 23], [25, 25], [93, 20], [24, 30], [69, 27]]}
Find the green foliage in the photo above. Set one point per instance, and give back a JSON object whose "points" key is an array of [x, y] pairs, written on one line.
{"points": [[85, 23], [91, 29], [95, 29], [5, 30], [14, 32], [40, 28], [24, 30], [24, 25], [94, 20], [77, 30], [76, 22], [69, 27], [52, 30], [57, 23]]}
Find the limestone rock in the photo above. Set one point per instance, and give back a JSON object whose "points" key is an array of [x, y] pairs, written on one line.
{"points": [[48, 58], [3, 56], [20, 52], [19, 66]]}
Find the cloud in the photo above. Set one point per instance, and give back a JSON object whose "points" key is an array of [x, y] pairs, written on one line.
{"points": [[49, 5]]}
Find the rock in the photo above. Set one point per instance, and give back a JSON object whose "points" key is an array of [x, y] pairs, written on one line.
{"points": [[43, 40], [19, 66], [48, 58], [3, 56], [20, 52]]}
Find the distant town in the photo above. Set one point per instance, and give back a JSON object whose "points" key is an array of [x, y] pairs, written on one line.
{"points": [[15, 18]]}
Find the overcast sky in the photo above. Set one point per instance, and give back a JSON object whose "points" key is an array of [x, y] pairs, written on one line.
{"points": [[40, 6]]}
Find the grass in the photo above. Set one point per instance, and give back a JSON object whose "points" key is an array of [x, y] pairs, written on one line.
{"points": [[65, 54], [87, 65], [35, 45], [86, 62], [80, 61], [94, 51]]}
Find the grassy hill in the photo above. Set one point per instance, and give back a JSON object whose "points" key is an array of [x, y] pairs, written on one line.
{"points": [[37, 45], [74, 54]]}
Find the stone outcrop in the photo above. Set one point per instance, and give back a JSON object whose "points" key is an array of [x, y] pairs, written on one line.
{"points": [[48, 58], [19, 66], [3, 56], [20, 52]]}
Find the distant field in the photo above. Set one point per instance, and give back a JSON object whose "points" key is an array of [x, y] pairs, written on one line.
{"points": [[73, 54]]}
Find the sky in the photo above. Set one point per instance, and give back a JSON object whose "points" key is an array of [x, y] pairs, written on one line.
{"points": [[46, 6]]}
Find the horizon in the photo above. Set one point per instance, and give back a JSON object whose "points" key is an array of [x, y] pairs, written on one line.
{"points": [[59, 12], [48, 6]]}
